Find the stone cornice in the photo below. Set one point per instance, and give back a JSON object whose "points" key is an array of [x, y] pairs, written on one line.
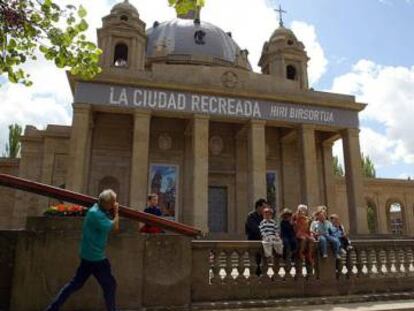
{"points": [[294, 95]]}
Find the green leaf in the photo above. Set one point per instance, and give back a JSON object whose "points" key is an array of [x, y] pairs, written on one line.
{"points": [[19, 74], [90, 46], [12, 44], [12, 77], [60, 61], [43, 49], [82, 12], [70, 20], [83, 25], [74, 71], [35, 18]]}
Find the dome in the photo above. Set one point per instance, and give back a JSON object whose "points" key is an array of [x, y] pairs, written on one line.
{"points": [[282, 33], [185, 41], [124, 7]]}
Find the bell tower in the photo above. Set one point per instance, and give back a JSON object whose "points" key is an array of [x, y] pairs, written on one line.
{"points": [[284, 56], [122, 38]]}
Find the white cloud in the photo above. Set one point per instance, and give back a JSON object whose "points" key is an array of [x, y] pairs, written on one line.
{"points": [[377, 147], [47, 101], [318, 63], [389, 92]]}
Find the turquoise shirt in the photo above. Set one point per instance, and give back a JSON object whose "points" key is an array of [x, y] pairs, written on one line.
{"points": [[96, 228]]}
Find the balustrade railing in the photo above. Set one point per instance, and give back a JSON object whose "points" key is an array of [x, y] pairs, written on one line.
{"points": [[232, 270], [378, 259]]}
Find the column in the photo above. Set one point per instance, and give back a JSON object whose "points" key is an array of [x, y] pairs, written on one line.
{"points": [[256, 145], [79, 152], [328, 175], [200, 172], [242, 202], [408, 214], [354, 182], [140, 160], [47, 171], [308, 166], [382, 221]]}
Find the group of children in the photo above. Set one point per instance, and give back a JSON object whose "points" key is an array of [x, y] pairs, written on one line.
{"points": [[294, 236]]}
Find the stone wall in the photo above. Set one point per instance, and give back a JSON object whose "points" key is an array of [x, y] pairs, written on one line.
{"points": [[7, 195], [46, 257], [8, 240]]}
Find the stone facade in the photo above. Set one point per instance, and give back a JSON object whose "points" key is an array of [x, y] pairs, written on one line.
{"points": [[222, 154]]}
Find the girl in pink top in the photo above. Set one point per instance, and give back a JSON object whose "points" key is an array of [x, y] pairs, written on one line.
{"points": [[301, 224]]}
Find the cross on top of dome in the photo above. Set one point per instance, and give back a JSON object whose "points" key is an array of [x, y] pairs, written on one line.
{"points": [[281, 12]]}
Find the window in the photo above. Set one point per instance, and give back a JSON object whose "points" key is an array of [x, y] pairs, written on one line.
{"points": [[121, 55], [291, 72]]}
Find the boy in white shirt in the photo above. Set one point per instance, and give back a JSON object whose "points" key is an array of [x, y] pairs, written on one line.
{"points": [[269, 229]]}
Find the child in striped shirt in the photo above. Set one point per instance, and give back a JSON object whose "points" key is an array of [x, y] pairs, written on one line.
{"points": [[269, 229]]}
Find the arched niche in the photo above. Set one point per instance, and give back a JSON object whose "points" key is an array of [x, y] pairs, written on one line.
{"points": [[291, 72], [121, 55], [395, 217], [372, 218]]}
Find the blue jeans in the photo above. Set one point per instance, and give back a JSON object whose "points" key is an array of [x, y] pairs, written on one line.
{"points": [[290, 246], [101, 270], [323, 244]]}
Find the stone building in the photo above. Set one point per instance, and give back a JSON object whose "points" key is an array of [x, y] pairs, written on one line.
{"points": [[179, 111]]}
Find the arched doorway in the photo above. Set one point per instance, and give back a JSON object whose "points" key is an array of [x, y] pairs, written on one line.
{"points": [[395, 217], [121, 55], [371, 216]]}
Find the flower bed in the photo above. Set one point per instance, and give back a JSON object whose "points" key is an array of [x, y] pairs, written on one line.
{"points": [[66, 210]]}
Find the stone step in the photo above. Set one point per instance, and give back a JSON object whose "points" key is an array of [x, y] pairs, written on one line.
{"points": [[375, 302], [400, 305]]}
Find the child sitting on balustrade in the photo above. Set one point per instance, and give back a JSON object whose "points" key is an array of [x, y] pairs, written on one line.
{"points": [[321, 230], [287, 232], [301, 222], [269, 230], [337, 230]]}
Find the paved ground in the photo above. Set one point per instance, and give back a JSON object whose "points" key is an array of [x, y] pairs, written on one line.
{"points": [[403, 305]]}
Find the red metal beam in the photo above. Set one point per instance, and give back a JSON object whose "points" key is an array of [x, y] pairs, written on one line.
{"points": [[86, 200]]}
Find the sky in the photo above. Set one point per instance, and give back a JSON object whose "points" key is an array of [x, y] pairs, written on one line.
{"points": [[363, 48]]}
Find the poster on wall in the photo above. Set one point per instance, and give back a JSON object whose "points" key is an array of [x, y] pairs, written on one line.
{"points": [[163, 181], [271, 188]]}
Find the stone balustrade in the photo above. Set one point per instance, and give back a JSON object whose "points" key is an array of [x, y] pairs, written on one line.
{"points": [[226, 270]]}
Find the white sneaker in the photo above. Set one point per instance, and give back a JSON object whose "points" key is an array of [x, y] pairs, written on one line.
{"points": [[325, 256], [343, 252], [338, 257]]}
